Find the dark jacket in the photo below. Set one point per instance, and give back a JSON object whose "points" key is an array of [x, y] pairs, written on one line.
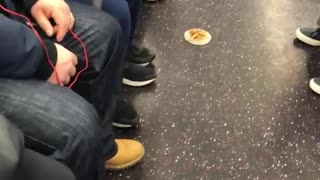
{"points": [[21, 54]]}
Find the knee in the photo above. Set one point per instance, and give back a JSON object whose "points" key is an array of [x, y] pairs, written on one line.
{"points": [[98, 25], [107, 27], [119, 10], [79, 138], [86, 125]]}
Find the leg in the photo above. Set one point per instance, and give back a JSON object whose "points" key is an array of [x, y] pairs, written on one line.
{"points": [[134, 6], [136, 54], [101, 84], [119, 10], [35, 166], [11, 143], [60, 123], [19, 163]]}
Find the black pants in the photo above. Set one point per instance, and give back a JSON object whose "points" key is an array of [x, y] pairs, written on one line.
{"points": [[34, 166], [19, 163]]}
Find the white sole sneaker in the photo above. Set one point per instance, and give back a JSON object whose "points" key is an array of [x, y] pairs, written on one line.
{"points": [[314, 86], [306, 39], [145, 64], [121, 125], [137, 83]]}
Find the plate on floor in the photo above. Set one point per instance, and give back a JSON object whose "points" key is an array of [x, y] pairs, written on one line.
{"points": [[197, 36]]}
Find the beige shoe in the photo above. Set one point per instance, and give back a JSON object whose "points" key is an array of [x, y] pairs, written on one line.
{"points": [[130, 152]]}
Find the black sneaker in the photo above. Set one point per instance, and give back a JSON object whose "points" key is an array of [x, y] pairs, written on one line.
{"points": [[315, 85], [140, 55], [137, 76], [309, 36], [126, 116]]}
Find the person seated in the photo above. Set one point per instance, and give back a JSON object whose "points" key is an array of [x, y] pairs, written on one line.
{"points": [[20, 163], [311, 36], [126, 12], [138, 71], [70, 125]]}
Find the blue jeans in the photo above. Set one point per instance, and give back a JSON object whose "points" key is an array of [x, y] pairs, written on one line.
{"points": [[124, 11], [74, 128]]}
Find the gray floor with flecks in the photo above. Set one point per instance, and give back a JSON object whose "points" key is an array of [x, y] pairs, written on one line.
{"points": [[237, 108]]}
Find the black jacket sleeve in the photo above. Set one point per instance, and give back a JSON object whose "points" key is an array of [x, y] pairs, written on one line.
{"points": [[28, 4], [21, 54]]}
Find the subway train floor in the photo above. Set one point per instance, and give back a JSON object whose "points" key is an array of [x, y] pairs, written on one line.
{"points": [[237, 108]]}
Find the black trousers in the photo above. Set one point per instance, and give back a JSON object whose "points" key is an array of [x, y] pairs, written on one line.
{"points": [[19, 163], [34, 166]]}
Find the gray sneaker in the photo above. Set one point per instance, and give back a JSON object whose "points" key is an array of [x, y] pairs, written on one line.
{"points": [[315, 85], [309, 36]]}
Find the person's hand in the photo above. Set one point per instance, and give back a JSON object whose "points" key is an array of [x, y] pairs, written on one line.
{"points": [[59, 11], [65, 67]]}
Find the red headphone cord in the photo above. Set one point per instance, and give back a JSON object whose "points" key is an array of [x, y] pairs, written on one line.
{"points": [[46, 50]]}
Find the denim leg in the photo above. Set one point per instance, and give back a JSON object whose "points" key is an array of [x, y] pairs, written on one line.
{"points": [[101, 83], [134, 6], [58, 122], [119, 10]]}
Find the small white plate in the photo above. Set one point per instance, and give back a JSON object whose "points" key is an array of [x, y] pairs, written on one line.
{"points": [[207, 38]]}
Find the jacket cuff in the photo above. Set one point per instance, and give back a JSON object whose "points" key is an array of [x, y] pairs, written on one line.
{"points": [[28, 4], [45, 69]]}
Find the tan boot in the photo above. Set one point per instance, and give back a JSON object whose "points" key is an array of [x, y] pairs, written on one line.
{"points": [[130, 152]]}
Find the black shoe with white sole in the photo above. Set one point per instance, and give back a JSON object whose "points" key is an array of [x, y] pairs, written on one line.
{"points": [[309, 36], [140, 55], [315, 85], [126, 116], [137, 76]]}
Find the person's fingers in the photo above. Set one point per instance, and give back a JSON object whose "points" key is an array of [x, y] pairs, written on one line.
{"points": [[75, 60], [66, 80], [43, 22], [62, 25], [53, 79], [63, 29], [70, 17], [72, 21], [55, 29], [73, 71]]}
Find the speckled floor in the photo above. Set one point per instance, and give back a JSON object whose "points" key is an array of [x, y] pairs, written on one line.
{"points": [[238, 108]]}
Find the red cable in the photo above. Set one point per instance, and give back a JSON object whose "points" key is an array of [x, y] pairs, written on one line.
{"points": [[46, 50], [85, 58]]}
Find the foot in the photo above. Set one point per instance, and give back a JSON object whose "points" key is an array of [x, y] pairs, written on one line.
{"points": [[126, 116], [315, 85], [137, 76], [129, 153], [140, 55], [309, 36]]}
